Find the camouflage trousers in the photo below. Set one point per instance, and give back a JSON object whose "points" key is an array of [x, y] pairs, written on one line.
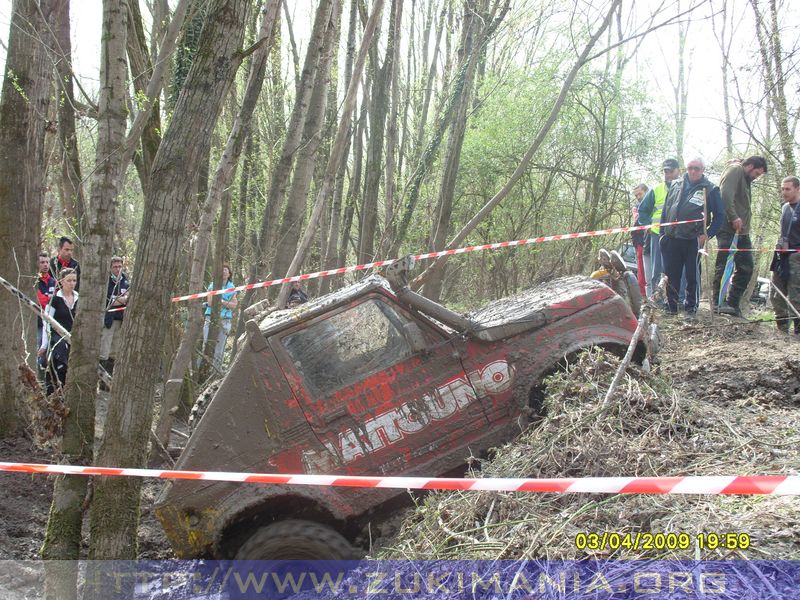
{"points": [[743, 269], [783, 315], [794, 285]]}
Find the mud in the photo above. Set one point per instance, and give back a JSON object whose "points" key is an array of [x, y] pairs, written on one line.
{"points": [[725, 362]]}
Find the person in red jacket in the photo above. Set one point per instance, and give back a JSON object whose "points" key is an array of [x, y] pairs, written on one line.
{"points": [[45, 289]]}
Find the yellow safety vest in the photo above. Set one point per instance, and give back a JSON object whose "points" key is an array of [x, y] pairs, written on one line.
{"points": [[660, 194]]}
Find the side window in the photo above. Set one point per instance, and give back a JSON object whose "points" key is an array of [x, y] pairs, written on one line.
{"points": [[348, 346]]}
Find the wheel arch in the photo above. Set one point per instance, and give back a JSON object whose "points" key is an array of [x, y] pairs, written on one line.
{"points": [[529, 390]]}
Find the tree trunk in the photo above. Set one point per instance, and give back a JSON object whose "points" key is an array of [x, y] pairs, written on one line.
{"points": [[470, 49], [391, 127], [329, 255], [681, 91], [115, 509], [63, 538], [541, 135], [223, 178], [338, 148], [24, 103], [279, 179], [292, 221], [142, 72], [724, 42], [72, 181], [373, 167], [769, 41]]}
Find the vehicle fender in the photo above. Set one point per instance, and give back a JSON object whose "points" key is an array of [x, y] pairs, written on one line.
{"points": [[530, 366]]}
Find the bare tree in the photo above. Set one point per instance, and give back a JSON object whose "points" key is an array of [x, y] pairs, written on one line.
{"points": [[72, 192], [769, 42], [23, 113], [63, 537], [342, 132], [223, 178], [115, 507], [584, 57]]}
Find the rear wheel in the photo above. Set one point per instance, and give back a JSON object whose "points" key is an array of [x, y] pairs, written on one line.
{"points": [[295, 539]]}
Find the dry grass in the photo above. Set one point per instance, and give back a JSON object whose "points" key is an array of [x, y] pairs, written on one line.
{"points": [[647, 430]]}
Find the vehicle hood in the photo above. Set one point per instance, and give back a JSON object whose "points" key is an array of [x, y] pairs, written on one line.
{"points": [[538, 306]]}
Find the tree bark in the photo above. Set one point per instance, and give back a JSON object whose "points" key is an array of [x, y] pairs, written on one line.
{"points": [[279, 180], [71, 178], [141, 72], [115, 509], [292, 221], [222, 181], [63, 537], [472, 45], [338, 149], [23, 109]]}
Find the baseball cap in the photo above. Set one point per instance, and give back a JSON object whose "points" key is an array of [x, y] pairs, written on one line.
{"points": [[670, 164]]}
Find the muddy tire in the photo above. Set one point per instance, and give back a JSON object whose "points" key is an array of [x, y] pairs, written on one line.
{"points": [[296, 540], [200, 405]]}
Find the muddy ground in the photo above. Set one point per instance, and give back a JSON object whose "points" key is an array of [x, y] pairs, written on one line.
{"points": [[725, 361]]}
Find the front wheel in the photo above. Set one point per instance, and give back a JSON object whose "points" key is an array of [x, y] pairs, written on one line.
{"points": [[295, 539]]}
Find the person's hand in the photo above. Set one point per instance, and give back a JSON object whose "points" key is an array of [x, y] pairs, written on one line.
{"points": [[701, 241], [737, 224], [41, 352]]}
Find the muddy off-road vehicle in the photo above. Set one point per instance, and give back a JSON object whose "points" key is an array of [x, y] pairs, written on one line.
{"points": [[372, 379]]}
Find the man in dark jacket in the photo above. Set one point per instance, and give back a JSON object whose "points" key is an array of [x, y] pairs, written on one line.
{"points": [[116, 297], [45, 290], [63, 260], [687, 200], [735, 190]]}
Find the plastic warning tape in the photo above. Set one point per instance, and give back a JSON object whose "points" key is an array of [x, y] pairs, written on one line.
{"points": [[755, 485], [427, 255]]}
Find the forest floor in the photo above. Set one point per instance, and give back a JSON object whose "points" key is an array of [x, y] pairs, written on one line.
{"points": [[745, 371]]}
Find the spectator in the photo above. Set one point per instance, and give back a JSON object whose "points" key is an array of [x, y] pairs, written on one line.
{"points": [[227, 305], [64, 260], [687, 201], [790, 191], [736, 197], [62, 308], [639, 238], [650, 214], [45, 289], [116, 297], [297, 296]]}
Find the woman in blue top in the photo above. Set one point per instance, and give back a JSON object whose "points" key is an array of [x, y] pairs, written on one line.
{"points": [[225, 316]]}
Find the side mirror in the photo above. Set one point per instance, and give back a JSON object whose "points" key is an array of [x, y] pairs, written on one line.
{"points": [[413, 334]]}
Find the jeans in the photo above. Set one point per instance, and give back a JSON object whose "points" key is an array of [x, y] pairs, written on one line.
{"points": [[680, 256], [656, 264], [222, 338]]}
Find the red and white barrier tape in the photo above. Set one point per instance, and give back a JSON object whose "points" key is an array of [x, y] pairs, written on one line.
{"points": [[427, 255], [755, 485]]}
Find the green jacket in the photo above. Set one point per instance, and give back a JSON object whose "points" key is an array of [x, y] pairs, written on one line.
{"points": [[735, 190]]}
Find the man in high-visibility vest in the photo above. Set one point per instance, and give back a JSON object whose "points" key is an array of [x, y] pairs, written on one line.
{"points": [[650, 214]]}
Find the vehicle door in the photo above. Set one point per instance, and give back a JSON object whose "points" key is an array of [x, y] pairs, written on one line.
{"points": [[377, 398]]}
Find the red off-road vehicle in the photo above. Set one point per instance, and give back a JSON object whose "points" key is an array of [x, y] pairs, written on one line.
{"points": [[372, 379]]}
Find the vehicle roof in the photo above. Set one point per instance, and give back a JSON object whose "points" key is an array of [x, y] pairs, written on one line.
{"points": [[280, 319]]}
